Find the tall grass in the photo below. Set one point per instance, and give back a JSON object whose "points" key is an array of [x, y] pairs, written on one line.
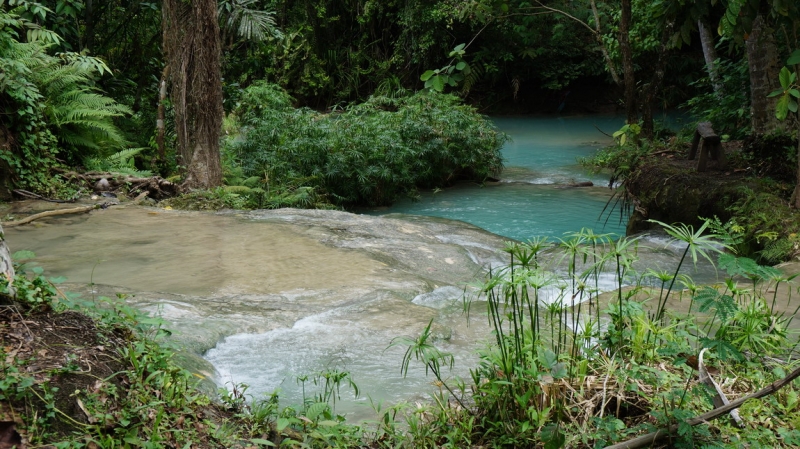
{"points": [[561, 371]]}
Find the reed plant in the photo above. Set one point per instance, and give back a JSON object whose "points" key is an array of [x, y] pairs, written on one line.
{"points": [[560, 371]]}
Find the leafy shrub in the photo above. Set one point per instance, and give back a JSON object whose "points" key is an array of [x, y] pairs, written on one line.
{"points": [[49, 106], [369, 154]]}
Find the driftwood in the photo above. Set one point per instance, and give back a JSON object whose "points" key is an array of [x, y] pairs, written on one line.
{"points": [[651, 438], [34, 196], [719, 398], [50, 213], [157, 187], [6, 265]]}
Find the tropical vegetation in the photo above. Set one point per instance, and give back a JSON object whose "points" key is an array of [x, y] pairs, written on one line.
{"points": [[347, 103]]}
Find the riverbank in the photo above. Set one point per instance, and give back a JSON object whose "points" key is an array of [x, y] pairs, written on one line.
{"points": [[746, 194]]}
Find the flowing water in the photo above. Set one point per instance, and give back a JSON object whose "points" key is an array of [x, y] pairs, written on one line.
{"points": [[268, 296]]}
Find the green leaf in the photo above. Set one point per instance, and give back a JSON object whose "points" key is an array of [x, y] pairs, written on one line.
{"points": [[794, 92], [559, 371], [262, 442], [548, 358], [426, 76], [785, 78], [438, 83], [23, 255], [792, 105], [315, 410], [459, 47], [775, 93], [328, 423], [782, 108], [461, 65], [553, 437], [794, 58], [282, 424]]}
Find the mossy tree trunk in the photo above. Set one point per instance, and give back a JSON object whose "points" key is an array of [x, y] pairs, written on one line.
{"points": [[192, 51], [796, 194], [710, 56], [762, 60]]}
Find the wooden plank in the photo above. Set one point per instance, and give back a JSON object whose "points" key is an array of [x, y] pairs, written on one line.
{"points": [[704, 154], [707, 132], [695, 143]]}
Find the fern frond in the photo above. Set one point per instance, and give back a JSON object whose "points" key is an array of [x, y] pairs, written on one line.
{"points": [[472, 78], [238, 189], [252, 181], [124, 155]]}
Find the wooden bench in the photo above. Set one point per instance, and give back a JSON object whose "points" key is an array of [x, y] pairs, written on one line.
{"points": [[712, 146]]}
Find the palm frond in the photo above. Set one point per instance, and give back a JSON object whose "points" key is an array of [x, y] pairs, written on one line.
{"points": [[248, 22]]}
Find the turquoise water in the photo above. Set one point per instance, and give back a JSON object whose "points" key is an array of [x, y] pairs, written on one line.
{"points": [[533, 197]]}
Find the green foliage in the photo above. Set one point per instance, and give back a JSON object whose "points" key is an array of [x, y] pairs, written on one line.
{"points": [[622, 158], [120, 162], [449, 75], [770, 230], [50, 107], [369, 154], [249, 22], [729, 110]]}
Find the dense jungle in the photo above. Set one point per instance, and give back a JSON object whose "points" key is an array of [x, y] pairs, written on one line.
{"points": [[261, 142]]}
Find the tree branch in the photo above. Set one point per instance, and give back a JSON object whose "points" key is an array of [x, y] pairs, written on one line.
{"points": [[650, 438]]}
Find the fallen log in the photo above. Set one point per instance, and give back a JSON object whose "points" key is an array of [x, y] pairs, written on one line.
{"points": [[652, 437], [50, 213]]}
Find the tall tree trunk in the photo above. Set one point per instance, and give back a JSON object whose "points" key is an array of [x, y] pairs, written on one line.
{"points": [[627, 62], [795, 201], [160, 114], [762, 61], [89, 31], [609, 63], [710, 55], [652, 89], [192, 50]]}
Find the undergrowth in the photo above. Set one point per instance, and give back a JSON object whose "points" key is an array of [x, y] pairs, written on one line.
{"points": [[368, 154]]}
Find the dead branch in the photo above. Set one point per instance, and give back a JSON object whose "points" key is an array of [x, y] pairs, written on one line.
{"points": [[34, 196], [50, 213], [719, 398], [651, 438]]}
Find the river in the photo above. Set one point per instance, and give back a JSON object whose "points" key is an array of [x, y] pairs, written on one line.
{"points": [[270, 296], [534, 197]]}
